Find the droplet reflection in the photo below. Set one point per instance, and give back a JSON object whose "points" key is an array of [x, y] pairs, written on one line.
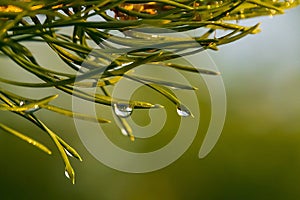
{"points": [[122, 110], [67, 174], [183, 111]]}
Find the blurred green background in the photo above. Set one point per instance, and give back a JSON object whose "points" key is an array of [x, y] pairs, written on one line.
{"points": [[257, 156]]}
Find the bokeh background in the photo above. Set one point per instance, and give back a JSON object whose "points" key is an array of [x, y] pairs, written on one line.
{"points": [[257, 156]]}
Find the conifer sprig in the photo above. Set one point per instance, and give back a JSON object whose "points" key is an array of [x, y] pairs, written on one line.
{"points": [[92, 22]]}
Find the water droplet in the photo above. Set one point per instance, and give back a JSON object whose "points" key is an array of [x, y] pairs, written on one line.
{"points": [[124, 131], [122, 110], [67, 174], [32, 110], [22, 103], [70, 174], [183, 111], [68, 153]]}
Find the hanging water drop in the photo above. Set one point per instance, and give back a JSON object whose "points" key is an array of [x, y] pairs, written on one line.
{"points": [[70, 176], [68, 153], [122, 110], [124, 131], [32, 110], [67, 174], [183, 111]]}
